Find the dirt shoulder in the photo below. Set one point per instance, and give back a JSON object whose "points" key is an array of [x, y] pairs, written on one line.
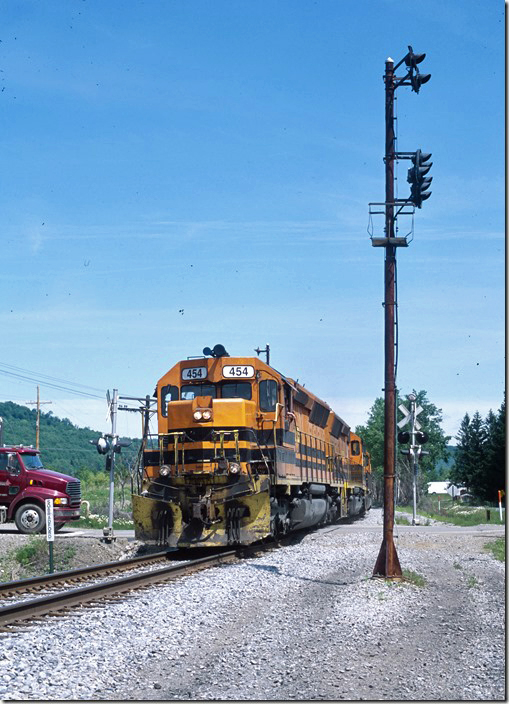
{"points": [[24, 556]]}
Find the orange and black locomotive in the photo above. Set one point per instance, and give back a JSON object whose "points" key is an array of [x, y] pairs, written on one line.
{"points": [[243, 453]]}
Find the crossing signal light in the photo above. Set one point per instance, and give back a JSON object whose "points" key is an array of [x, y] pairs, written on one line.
{"points": [[421, 437], [419, 182], [403, 437], [119, 444], [106, 445], [103, 445]]}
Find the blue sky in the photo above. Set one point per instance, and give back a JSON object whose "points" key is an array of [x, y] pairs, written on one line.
{"points": [[181, 173]]}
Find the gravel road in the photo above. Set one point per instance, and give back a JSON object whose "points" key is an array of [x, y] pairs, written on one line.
{"points": [[302, 622]]}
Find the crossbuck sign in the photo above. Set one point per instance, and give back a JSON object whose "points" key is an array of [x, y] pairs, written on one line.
{"points": [[409, 416]]}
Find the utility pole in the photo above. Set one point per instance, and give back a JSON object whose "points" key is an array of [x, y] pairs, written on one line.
{"points": [[110, 463], [38, 403], [387, 564]]}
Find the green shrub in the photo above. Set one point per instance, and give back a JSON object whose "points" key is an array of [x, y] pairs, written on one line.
{"points": [[497, 547]]}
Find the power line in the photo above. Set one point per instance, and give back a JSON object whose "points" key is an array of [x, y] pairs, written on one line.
{"points": [[49, 381]]}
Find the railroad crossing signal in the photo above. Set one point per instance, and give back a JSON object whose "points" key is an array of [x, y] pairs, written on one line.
{"points": [[109, 443], [415, 436], [409, 416], [419, 182]]}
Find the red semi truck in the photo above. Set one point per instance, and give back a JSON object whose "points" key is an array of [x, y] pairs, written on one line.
{"points": [[25, 485]]}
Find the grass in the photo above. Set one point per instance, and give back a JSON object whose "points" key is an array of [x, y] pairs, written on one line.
{"points": [[455, 512], [414, 578], [95, 489], [32, 558], [497, 547], [98, 521]]}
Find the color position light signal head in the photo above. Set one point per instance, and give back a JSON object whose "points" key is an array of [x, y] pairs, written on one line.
{"points": [[411, 59], [416, 79], [417, 179]]}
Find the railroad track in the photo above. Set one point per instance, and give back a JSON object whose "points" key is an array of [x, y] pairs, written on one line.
{"points": [[67, 597]]}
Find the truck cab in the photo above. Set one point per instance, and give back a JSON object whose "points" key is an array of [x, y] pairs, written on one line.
{"points": [[25, 484]]}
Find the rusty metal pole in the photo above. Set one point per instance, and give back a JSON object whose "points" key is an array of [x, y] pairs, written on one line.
{"points": [[387, 564]]}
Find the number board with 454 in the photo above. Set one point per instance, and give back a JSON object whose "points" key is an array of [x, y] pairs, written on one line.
{"points": [[238, 371]]}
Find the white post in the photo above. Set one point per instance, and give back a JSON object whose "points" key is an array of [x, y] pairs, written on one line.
{"points": [[50, 531]]}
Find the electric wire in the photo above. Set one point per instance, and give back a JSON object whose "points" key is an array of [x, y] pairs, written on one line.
{"points": [[49, 381]]}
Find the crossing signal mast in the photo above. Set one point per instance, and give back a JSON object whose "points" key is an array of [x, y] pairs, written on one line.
{"points": [[416, 437], [387, 564]]}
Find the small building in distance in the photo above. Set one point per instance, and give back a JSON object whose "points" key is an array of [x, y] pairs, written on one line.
{"points": [[446, 488]]}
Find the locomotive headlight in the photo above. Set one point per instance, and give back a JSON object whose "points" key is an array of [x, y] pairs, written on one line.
{"points": [[197, 415], [207, 415], [234, 467], [164, 470]]}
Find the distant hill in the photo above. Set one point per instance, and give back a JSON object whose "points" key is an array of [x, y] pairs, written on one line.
{"points": [[444, 467], [64, 446]]}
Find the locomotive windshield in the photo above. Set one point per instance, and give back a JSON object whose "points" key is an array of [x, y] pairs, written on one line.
{"points": [[190, 391], [235, 389], [238, 389]]}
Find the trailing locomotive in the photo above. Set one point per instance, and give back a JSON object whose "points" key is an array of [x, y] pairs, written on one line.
{"points": [[244, 453]]}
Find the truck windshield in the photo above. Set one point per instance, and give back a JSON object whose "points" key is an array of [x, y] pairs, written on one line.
{"points": [[32, 461]]}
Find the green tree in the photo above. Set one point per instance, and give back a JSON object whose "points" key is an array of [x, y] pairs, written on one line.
{"points": [[495, 461], [372, 434], [64, 446], [480, 455], [123, 474]]}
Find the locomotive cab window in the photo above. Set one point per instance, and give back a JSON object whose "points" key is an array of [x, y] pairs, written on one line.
{"points": [[168, 393], [267, 390], [238, 389], [190, 391], [356, 450]]}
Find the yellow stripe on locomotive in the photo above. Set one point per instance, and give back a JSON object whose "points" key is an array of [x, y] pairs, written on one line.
{"points": [[243, 453]]}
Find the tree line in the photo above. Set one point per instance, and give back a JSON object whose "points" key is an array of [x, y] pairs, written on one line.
{"points": [[477, 462], [432, 467], [64, 446], [480, 455]]}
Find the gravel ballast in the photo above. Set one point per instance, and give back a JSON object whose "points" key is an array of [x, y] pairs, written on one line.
{"points": [[301, 622]]}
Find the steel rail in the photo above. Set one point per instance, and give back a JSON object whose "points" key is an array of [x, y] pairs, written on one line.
{"points": [[34, 608], [80, 573]]}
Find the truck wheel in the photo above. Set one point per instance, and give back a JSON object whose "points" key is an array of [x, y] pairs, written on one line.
{"points": [[30, 519]]}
